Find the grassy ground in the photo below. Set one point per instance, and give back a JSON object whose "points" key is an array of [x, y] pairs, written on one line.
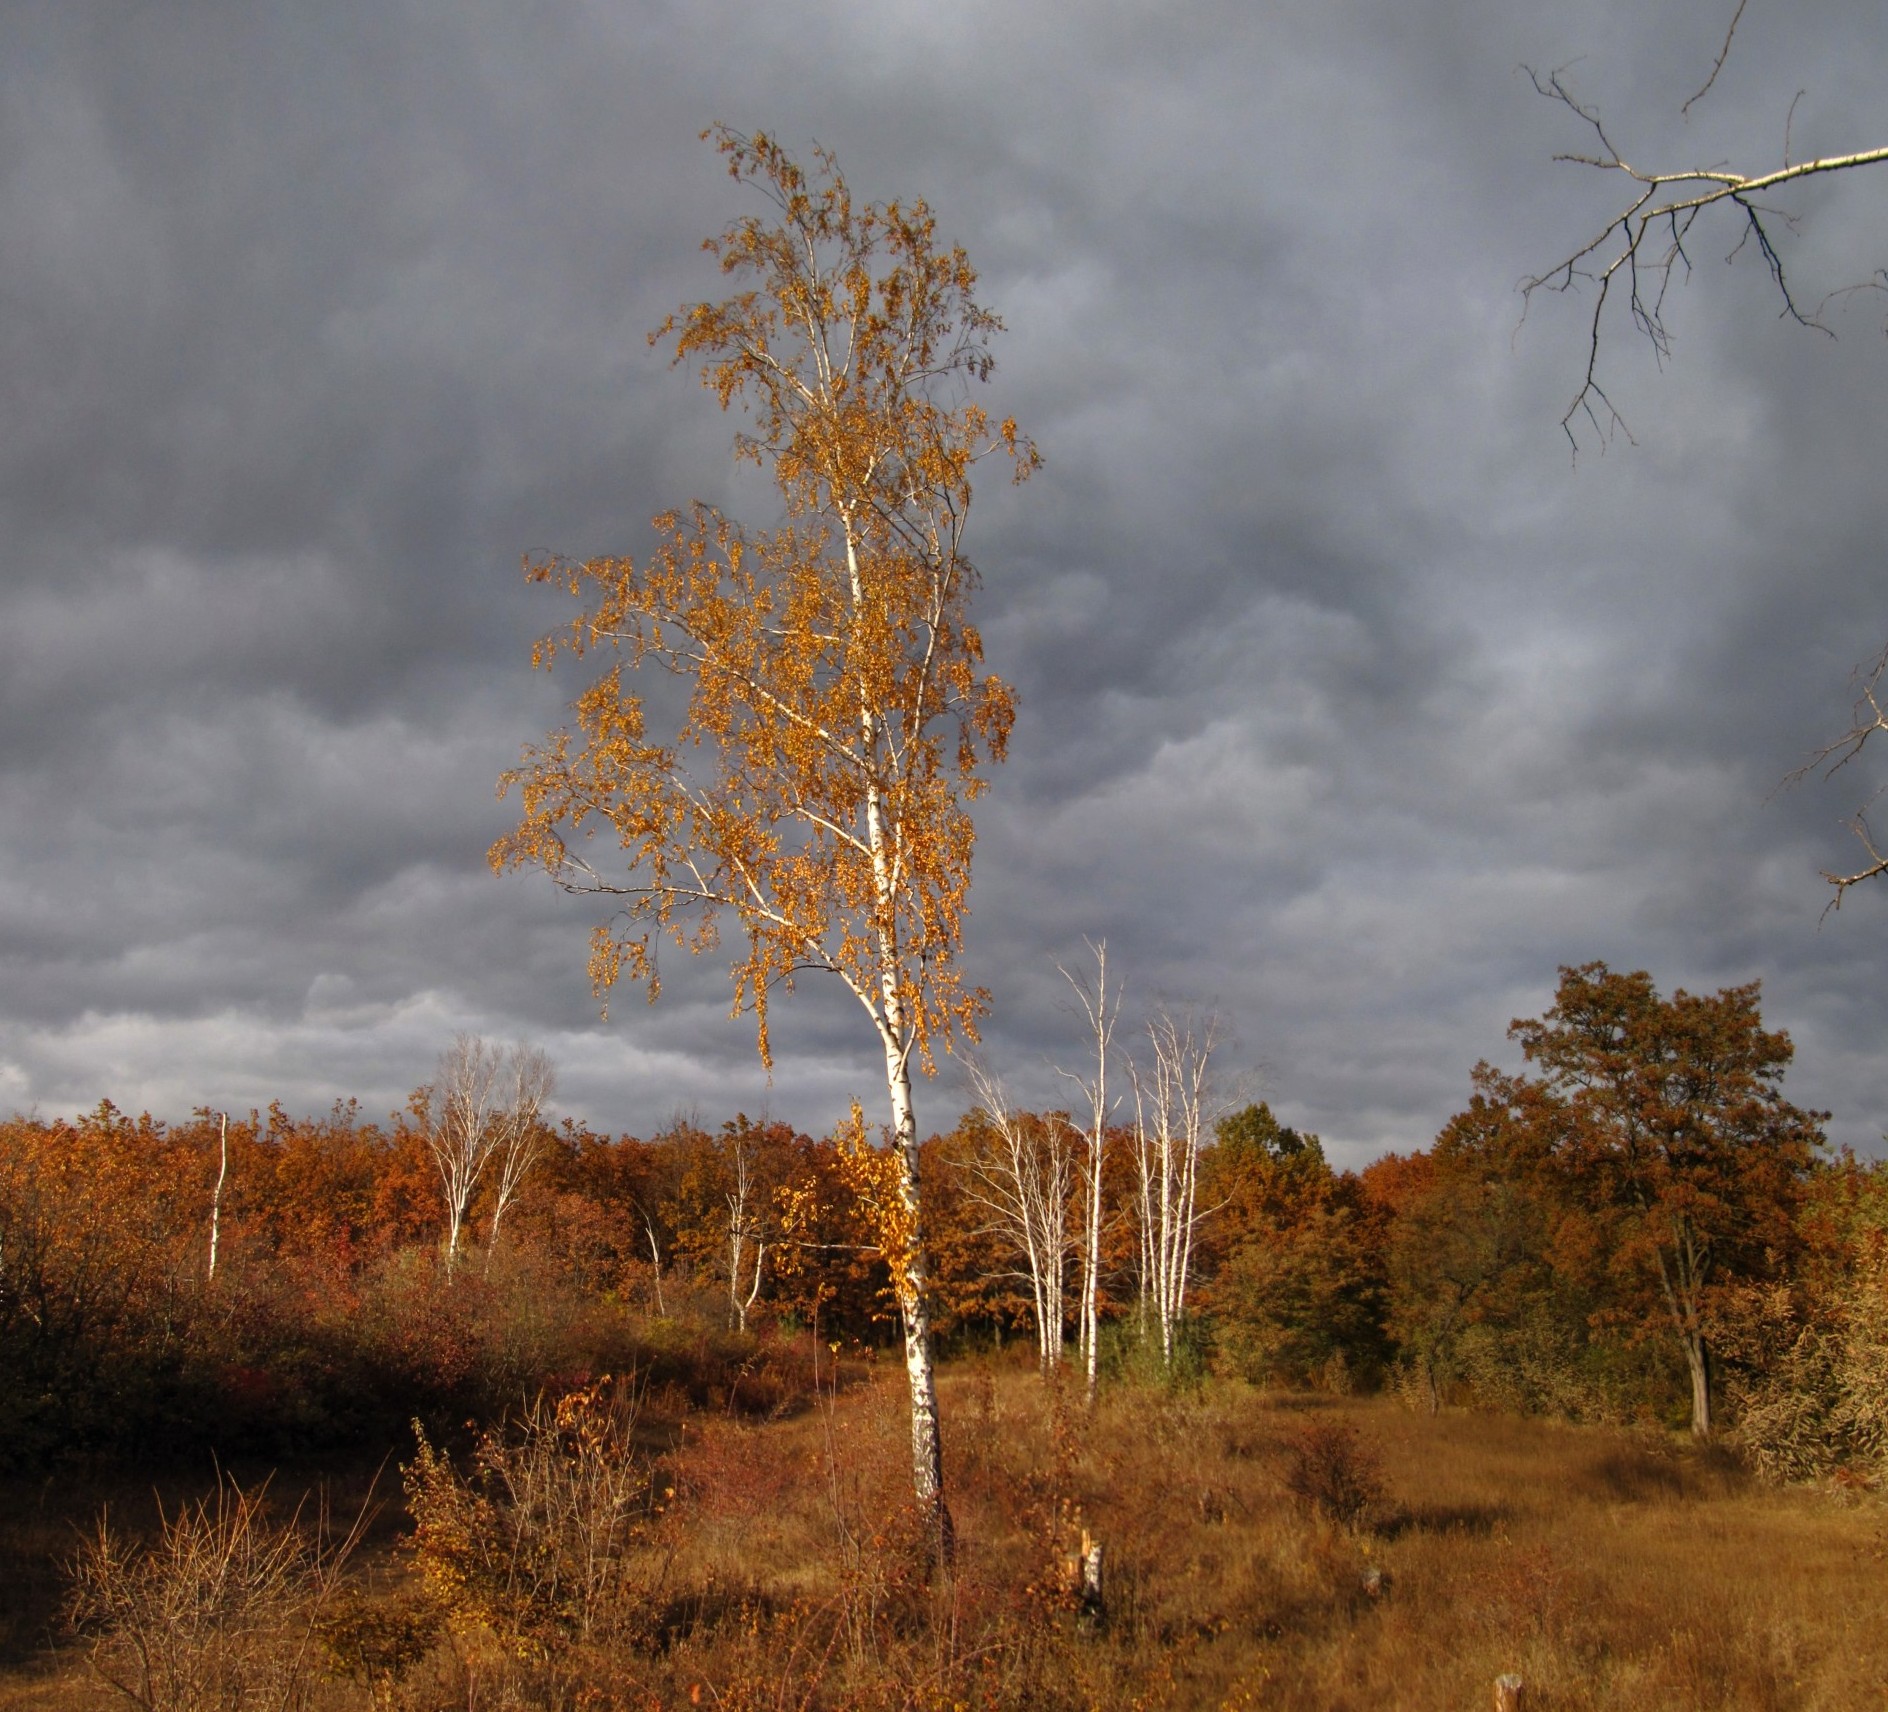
{"points": [[1609, 1571]]}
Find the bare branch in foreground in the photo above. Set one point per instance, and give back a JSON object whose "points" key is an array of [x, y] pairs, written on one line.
{"points": [[1639, 249], [1869, 718]]}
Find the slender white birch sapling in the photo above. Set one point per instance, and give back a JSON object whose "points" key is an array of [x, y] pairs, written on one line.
{"points": [[1171, 1122], [460, 1109], [1023, 1179], [216, 1194], [522, 1138], [745, 1202], [838, 721], [483, 1106], [1101, 1007]]}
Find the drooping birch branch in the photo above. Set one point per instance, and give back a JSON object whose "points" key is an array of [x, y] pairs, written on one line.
{"points": [[1640, 249]]}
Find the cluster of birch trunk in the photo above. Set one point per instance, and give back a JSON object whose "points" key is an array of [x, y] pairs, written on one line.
{"points": [[483, 1110], [1042, 1185]]}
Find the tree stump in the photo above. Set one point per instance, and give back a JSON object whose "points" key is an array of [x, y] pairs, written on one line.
{"points": [[1509, 1692], [1092, 1609]]}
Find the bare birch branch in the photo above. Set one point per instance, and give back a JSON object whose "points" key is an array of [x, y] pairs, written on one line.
{"points": [[1640, 249], [1869, 718]]}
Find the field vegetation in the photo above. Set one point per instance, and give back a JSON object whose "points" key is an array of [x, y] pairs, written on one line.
{"points": [[1262, 1548], [1591, 1392]]}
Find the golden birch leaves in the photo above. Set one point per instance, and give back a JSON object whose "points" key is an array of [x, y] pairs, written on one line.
{"points": [[837, 715]]}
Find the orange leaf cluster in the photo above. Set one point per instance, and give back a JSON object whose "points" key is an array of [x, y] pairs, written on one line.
{"points": [[837, 717]]}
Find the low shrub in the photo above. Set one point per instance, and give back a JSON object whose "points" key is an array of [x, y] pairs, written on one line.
{"points": [[1332, 1468], [218, 1614], [539, 1547]]}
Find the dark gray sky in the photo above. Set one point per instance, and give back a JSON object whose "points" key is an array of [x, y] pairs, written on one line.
{"points": [[1349, 706]]}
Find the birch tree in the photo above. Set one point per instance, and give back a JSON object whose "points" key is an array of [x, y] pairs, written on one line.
{"points": [[1101, 1007], [216, 1194], [747, 1193], [1172, 1120], [838, 722], [1023, 1177], [483, 1108], [522, 1140]]}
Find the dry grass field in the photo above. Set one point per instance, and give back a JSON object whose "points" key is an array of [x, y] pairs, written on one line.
{"points": [[1619, 1571]]}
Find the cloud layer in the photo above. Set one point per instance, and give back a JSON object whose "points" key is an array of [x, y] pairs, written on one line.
{"points": [[1349, 705]]}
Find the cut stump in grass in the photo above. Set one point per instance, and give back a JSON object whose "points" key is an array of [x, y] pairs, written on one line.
{"points": [[1509, 1693], [1093, 1609]]}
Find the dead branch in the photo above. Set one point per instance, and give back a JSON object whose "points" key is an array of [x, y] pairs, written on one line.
{"points": [[1869, 718], [1717, 64], [1640, 249]]}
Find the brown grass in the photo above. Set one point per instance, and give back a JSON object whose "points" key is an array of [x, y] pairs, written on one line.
{"points": [[1608, 1570]]}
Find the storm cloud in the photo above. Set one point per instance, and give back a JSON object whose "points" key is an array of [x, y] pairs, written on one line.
{"points": [[1350, 703]]}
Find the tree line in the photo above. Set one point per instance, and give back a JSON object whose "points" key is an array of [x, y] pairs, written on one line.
{"points": [[1637, 1226]]}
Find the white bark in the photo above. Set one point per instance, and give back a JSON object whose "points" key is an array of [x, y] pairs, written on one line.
{"points": [[927, 1445], [522, 1140], [484, 1104], [898, 1035], [216, 1195], [1101, 1009], [1025, 1184], [1170, 1125], [744, 1227], [655, 1255]]}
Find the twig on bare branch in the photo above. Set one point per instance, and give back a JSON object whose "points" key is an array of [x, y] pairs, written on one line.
{"points": [[1869, 718], [1639, 248], [1717, 64]]}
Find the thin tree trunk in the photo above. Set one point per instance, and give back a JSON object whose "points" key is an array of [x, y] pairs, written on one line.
{"points": [[744, 1305], [216, 1196], [1681, 1302], [1025, 1187], [520, 1144], [1169, 1122], [655, 1254], [1101, 1010], [1091, 1273], [910, 1273], [1698, 1360]]}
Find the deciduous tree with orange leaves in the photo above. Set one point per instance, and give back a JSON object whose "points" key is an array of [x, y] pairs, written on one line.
{"points": [[838, 719], [1670, 1119]]}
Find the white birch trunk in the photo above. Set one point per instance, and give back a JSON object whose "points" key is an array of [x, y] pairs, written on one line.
{"points": [[216, 1195], [897, 1035], [1101, 1010], [519, 1141], [484, 1101], [1170, 1118], [1026, 1188], [655, 1257], [927, 1445], [743, 1227]]}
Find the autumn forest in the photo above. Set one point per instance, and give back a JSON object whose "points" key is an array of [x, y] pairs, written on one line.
{"points": [[1638, 1235], [1644, 1230]]}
